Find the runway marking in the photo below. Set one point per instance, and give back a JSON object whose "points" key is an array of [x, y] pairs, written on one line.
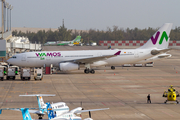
{"points": [[112, 103], [167, 113], [103, 103], [120, 103]]}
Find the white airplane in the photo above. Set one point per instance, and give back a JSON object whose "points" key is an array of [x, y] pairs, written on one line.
{"points": [[73, 60], [42, 106], [59, 108], [53, 115]]}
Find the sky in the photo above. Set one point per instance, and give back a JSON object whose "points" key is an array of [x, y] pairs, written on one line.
{"points": [[94, 14]]}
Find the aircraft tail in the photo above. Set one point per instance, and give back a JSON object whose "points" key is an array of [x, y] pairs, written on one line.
{"points": [[25, 113], [40, 100], [41, 103], [160, 39], [77, 39], [50, 112]]}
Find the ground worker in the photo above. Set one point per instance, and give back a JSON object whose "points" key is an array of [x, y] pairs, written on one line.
{"points": [[148, 98]]}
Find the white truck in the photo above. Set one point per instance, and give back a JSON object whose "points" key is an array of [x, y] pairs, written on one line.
{"points": [[11, 73], [1, 73], [25, 73], [38, 74]]}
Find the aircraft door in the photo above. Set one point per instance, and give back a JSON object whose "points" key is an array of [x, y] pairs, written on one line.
{"points": [[23, 58], [136, 55]]}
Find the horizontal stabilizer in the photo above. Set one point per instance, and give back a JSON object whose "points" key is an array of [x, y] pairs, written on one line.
{"points": [[81, 111], [164, 55], [156, 52], [50, 95]]}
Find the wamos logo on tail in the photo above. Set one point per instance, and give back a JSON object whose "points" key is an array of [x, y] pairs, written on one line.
{"points": [[164, 35]]}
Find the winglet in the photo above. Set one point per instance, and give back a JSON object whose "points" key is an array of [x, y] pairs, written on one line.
{"points": [[0, 111], [118, 53]]}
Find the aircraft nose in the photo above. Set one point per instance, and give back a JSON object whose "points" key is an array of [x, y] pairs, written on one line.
{"points": [[9, 60]]}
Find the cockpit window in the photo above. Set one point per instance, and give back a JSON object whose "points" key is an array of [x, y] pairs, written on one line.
{"points": [[13, 56]]}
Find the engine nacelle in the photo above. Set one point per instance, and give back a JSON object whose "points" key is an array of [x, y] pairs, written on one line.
{"points": [[68, 66]]}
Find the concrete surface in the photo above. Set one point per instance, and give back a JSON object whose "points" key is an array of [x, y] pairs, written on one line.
{"points": [[123, 90]]}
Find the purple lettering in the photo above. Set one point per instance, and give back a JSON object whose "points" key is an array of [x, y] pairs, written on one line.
{"points": [[59, 54], [54, 54], [49, 54], [154, 40], [37, 54]]}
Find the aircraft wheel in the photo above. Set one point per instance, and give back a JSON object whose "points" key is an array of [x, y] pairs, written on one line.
{"points": [[177, 102], [86, 71], [165, 101], [112, 67], [40, 117], [92, 71]]}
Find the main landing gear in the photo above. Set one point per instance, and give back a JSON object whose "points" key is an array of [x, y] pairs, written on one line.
{"points": [[40, 116], [87, 70], [112, 67]]}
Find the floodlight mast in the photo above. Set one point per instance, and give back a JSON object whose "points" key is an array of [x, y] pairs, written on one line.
{"points": [[10, 15], [2, 29], [7, 7]]}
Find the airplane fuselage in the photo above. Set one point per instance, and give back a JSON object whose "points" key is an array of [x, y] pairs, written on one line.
{"points": [[38, 59]]}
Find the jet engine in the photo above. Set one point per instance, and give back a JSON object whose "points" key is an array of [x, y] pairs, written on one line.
{"points": [[68, 66]]}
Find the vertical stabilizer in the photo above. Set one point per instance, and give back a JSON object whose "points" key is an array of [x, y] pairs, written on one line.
{"points": [[160, 39], [40, 100], [50, 112], [77, 39], [25, 113], [41, 103]]}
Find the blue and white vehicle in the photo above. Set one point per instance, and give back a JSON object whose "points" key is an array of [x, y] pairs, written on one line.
{"points": [[53, 115]]}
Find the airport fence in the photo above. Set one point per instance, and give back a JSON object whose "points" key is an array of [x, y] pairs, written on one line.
{"points": [[132, 43]]}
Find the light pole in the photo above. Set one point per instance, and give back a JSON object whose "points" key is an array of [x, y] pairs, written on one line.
{"points": [[4, 16], [2, 29], [10, 15], [7, 6]]}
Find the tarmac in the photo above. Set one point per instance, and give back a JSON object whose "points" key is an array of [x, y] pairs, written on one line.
{"points": [[123, 90]]}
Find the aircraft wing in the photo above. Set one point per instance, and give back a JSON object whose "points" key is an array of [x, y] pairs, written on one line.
{"points": [[94, 59], [156, 52], [81, 111]]}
